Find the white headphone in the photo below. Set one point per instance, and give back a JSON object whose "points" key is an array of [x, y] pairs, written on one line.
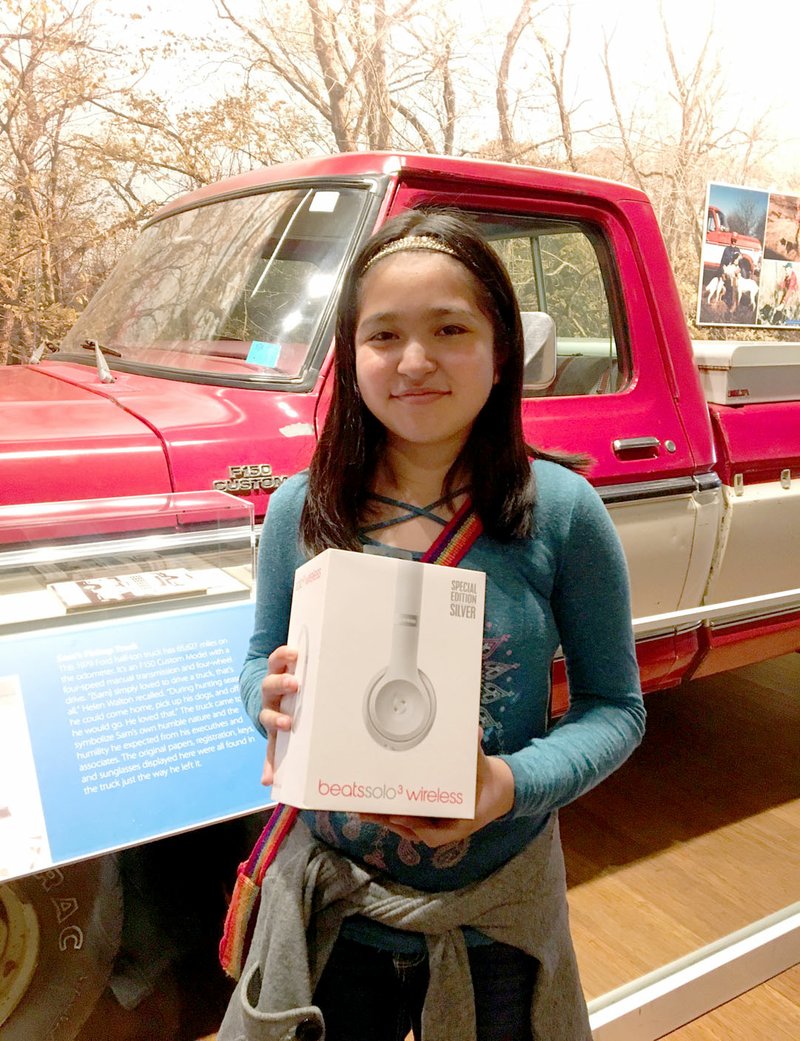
{"points": [[400, 703]]}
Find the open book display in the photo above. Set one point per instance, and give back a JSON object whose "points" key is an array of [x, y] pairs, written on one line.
{"points": [[138, 587]]}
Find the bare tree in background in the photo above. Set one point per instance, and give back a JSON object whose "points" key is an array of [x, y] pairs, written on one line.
{"points": [[555, 58], [504, 114], [532, 89], [378, 75], [86, 153], [673, 157], [42, 84], [53, 226]]}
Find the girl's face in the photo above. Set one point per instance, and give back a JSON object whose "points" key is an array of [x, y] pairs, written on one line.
{"points": [[425, 357]]}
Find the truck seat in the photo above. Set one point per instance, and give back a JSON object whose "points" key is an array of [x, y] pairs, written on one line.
{"points": [[581, 374], [576, 374]]}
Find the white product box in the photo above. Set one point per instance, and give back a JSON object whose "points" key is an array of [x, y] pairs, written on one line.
{"points": [[389, 664]]}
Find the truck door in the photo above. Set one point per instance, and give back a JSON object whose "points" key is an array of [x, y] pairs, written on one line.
{"points": [[613, 397]]}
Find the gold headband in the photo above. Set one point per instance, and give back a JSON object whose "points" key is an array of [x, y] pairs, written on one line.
{"points": [[410, 242]]}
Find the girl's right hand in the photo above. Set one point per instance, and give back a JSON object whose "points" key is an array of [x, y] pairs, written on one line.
{"points": [[276, 685]]}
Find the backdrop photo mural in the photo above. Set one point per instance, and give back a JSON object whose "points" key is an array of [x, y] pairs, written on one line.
{"points": [[751, 258]]}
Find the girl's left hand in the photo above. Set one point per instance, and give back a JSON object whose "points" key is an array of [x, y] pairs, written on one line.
{"points": [[494, 797]]}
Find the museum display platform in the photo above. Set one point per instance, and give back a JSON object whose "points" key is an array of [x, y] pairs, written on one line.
{"points": [[690, 850]]}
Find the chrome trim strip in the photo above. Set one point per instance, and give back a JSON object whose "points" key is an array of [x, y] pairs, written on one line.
{"points": [[728, 612], [659, 488]]}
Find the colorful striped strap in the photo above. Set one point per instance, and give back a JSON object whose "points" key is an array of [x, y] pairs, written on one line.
{"points": [[278, 825], [240, 921], [448, 549], [452, 545]]}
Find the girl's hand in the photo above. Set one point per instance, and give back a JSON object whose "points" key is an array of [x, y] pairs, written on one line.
{"points": [[494, 797], [276, 685]]}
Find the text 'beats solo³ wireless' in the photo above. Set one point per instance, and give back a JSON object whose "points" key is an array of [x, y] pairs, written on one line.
{"points": [[400, 704]]}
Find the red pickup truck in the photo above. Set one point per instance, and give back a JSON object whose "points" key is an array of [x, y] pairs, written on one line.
{"points": [[204, 363]]}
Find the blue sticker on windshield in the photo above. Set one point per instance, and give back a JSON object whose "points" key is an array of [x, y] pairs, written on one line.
{"points": [[262, 353]]}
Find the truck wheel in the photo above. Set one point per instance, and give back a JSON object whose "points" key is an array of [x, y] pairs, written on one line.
{"points": [[59, 933]]}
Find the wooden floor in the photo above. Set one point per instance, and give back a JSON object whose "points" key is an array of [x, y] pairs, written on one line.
{"points": [[695, 837]]}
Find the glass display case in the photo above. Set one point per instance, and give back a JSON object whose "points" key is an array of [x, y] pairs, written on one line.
{"points": [[98, 557], [123, 626], [124, 752]]}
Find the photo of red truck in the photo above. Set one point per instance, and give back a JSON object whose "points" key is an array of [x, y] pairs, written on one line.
{"points": [[719, 235]]}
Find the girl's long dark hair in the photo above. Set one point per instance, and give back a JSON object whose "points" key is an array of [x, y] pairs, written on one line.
{"points": [[495, 456]]}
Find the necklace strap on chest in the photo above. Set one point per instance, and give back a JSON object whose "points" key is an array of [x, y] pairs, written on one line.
{"points": [[411, 511]]}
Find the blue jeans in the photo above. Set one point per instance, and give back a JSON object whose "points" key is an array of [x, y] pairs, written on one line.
{"points": [[366, 994]]}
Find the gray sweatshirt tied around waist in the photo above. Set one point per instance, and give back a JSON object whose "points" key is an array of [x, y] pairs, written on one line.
{"points": [[310, 889]]}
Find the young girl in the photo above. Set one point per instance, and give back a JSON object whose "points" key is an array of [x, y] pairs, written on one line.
{"points": [[425, 416]]}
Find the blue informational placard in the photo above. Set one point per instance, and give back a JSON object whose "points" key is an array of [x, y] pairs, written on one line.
{"points": [[129, 730]]}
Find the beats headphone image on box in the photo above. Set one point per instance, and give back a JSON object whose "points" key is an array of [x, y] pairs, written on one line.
{"points": [[400, 703]]}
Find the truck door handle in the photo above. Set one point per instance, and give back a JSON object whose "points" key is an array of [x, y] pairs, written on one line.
{"points": [[636, 445]]}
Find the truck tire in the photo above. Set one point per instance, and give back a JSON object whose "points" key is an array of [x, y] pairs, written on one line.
{"points": [[59, 933]]}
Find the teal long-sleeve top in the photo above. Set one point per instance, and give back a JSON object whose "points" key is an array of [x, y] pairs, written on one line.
{"points": [[567, 586]]}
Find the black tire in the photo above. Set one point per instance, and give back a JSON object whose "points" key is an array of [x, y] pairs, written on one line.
{"points": [[71, 917]]}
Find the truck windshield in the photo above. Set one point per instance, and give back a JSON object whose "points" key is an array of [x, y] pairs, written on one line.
{"points": [[241, 288]]}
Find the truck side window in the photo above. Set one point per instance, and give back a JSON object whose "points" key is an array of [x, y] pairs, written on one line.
{"points": [[556, 269]]}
